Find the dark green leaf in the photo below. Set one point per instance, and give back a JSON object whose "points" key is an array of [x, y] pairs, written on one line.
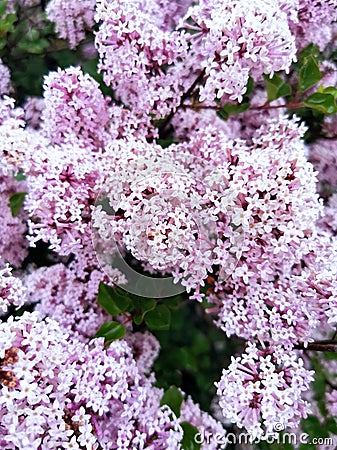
{"points": [[7, 23], [173, 398], [309, 73], [307, 447], [232, 109], [276, 87], [144, 304], [329, 90], [32, 44], [309, 50], [186, 359], [106, 299], [64, 58], [200, 344], [164, 143], [159, 318], [287, 444], [111, 331], [32, 35], [191, 437], [322, 102], [138, 318], [313, 427], [319, 384], [222, 114], [330, 356], [250, 86], [3, 7], [173, 302], [122, 299], [16, 201], [20, 176], [331, 425]]}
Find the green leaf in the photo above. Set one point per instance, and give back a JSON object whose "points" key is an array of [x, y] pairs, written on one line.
{"points": [[330, 356], [142, 306], [32, 43], [159, 318], [276, 87], [106, 299], [173, 398], [112, 300], [250, 86], [222, 114], [190, 440], [200, 345], [309, 50], [20, 176], [7, 23], [329, 90], [287, 446], [313, 427], [111, 331], [307, 447], [173, 302], [309, 73], [232, 109], [322, 102], [331, 425], [122, 299], [3, 7], [32, 35], [319, 384], [16, 201], [138, 318], [164, 143]]}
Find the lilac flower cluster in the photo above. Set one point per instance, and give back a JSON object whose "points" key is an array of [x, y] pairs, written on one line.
{"points": [[236, 40], [71, 18], [74, 108], [12, 291], [134, 47], [12, 252], [262, 388], [61, 295], [198, 208], [5, 76], [314, 22], [58, 392], [63, 156]]}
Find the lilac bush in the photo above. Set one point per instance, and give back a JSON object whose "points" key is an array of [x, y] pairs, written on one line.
{"points": [[191, 143]]}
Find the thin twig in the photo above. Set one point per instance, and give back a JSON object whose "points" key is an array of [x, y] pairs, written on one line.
{"points": [[291, 105], [328, 345], [189, 91]]}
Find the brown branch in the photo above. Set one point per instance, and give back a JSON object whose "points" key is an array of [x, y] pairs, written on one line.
{"points": [[189, 91], [266, 106], [328, 345]]}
